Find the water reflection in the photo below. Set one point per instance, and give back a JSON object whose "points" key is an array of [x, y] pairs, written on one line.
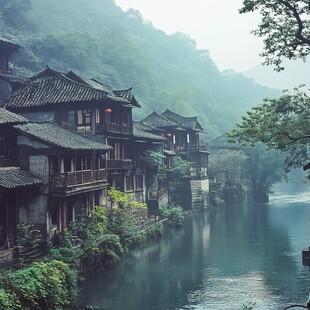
{"points": [[219, 260]]}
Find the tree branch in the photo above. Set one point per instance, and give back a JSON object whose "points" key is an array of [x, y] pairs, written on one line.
{"points": [[298, 35]]}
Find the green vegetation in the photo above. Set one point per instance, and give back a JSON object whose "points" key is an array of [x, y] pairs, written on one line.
{"points": [[156, 160], [173, 213], [231, 163], [53, 283], [97, 39], [123, 220], [252, 170], [285, 27], [264, 169], [181, 167], [281, 124], [43, 285], [28, 235]]}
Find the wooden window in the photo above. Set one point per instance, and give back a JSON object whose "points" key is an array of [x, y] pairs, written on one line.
{"points": [[5, 147], [129, 183], [83, 120], [139, 181], [97, 116], [71, 118]]}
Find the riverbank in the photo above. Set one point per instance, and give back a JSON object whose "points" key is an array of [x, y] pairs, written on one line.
{"points": [[92, 241]]}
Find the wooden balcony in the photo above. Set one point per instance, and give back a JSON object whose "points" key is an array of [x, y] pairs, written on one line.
{"points": [[115, 128], [118, 164], [74, 181], [139, 164]]}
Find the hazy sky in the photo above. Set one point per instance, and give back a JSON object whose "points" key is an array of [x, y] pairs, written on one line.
{"points": [[215, 25]]}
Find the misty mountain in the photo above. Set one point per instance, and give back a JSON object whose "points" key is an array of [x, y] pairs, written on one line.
{"points": [[97, 39], [295, 73]]}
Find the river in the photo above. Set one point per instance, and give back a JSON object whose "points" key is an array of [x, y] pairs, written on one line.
{"points": [[247, 254]]}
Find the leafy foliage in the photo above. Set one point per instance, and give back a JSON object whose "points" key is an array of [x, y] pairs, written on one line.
{"points": [[264, 169], [281, 124], [28, 235], [156, 159], [94, 235], [181, 167], [231, 162], [43, 285], [173, 213], [122, 200], [285, 27], [122, 221]]}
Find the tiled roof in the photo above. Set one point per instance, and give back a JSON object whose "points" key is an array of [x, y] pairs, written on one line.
{"points": [[159, 121], [125, 96], [139, 132], [51, 87], [89, 82], [148, 127], [8, 44], [7, 117], [59, 137], [11, 178], [184, 122]]}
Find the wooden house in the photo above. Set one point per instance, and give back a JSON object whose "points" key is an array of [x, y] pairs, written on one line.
{"points": [[182, 138], [16, 185], [71, 165], [93, 110], [154, 184]]}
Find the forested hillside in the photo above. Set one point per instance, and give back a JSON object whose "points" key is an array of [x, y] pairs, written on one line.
{"points": [[95, 38]]}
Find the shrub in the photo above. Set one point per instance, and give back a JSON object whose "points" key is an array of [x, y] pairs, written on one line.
{"points": [[9, 300], [174, 213], [43, 285], [28, 235]]}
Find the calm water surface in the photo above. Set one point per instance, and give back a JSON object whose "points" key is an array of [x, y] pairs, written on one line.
{"points": [[218, 260]]}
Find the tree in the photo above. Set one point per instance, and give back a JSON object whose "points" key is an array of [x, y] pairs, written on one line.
{"points": [[231, 162], [282, 124], [285, 27], [264, 169]]}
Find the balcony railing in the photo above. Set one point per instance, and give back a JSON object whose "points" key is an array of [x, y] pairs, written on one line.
{"points": [[139, 163], [115, 128], [115, 164], [76, 178]]}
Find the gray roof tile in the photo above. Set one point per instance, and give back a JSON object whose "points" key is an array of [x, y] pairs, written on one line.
{"points": [[183, 122], [139, 132], [159, 121], [51, 87], [7, 117], [59, 137], [11, 178]]}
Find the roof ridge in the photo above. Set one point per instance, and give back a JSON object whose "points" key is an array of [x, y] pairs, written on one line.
{"points": [[63, 75]]}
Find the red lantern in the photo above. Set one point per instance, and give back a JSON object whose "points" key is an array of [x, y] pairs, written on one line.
{"points": [[108, 110]]}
